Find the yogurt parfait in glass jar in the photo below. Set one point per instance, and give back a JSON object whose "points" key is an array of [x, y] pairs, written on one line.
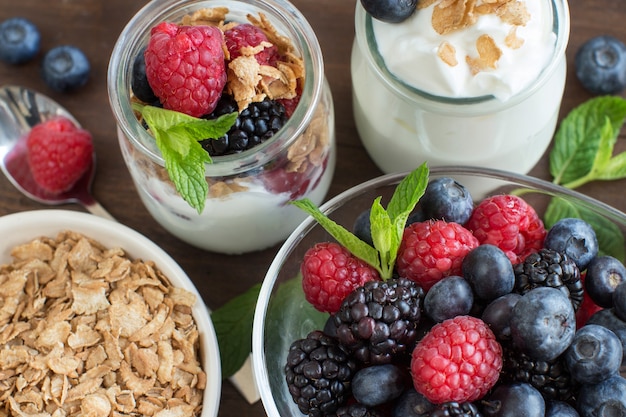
{"points": [[224, 116], [460, 82]]}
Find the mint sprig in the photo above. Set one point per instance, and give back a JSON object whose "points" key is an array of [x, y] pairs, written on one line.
{"points": [[387, 225], [177, 136]]}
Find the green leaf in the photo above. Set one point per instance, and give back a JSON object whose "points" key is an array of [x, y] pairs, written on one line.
{"points": [[177, 136], [610, 238], [580, 136], [346, 238], [233, 327]]}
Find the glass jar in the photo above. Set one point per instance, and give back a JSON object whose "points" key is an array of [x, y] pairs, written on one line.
{"points": [[402, 126], [247, 204]]}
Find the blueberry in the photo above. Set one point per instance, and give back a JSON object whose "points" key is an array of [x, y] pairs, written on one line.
{"points": [[619, 301], [378, 384], [65, 68], [362, 227], [605, 399], [139, 82], [446, 199], [498, 313], [556, 408], [604, 274], [390, 11], [575, 238], [489, 271], [601, 65], [609, 319], [450, 297], [514, 400], [543, 323], [594, 355], [19, 40], [411, 404]]}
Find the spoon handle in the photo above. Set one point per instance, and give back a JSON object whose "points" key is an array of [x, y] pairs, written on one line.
{"points": [[96, 208]]}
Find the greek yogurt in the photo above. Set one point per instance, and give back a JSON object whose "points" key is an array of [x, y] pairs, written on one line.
{"points": [[415, 101]]}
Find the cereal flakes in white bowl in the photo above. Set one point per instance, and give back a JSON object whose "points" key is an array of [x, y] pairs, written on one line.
{"points": [[95, 316]]}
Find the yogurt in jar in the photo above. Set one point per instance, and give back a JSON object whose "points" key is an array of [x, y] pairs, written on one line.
{"points": [[421, 95]]}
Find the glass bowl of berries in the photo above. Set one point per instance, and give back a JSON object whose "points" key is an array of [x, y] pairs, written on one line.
{"points": [[442, 292], [224, 115]]}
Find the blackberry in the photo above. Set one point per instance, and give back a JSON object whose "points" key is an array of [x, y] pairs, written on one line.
{"points": [[551, 378], [550, 268], [357, 410], [378, 322], [455, 409], [319, 373], [254, 125]]}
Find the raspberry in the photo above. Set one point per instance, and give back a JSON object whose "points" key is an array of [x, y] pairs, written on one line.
{"points": [[330, 272], [59, 153], [185, 67], [459, 360], [250, 37], [510, 223], [433, 249]]}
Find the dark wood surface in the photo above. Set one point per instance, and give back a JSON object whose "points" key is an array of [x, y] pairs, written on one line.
{"points": [[94, 26]]}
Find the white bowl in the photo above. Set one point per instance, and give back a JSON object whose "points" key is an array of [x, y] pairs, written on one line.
{"points": [[23, 227]]}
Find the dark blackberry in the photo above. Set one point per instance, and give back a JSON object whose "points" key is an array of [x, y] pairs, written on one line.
{"points": [[378, 322], [552, 378], [357, 410], [319, 373], [455, 409], [254, 125], [549, 268]]}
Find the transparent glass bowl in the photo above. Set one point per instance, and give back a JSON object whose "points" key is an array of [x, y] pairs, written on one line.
{"points": [[283, 315]]}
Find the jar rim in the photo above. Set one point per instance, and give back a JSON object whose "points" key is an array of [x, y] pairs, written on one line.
{"points": [[284, 16], [366, 42]]}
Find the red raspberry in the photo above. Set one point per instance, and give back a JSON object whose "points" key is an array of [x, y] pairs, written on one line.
{"points": [[459, 360], [59, 153], [246, 35], [185, 67], [587, 308], [510, 223], [330, 272], [433, 249]]}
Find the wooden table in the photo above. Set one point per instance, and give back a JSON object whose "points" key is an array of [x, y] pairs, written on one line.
{"points": [[94, 26]]}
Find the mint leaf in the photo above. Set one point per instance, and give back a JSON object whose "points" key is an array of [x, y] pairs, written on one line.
{"points": [[387, 226], [610, 237], [581, 136], [233, 328], [177, 136]]}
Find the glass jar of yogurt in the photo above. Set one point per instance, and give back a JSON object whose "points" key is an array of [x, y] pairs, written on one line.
{"points": [[247, 206], [421, 93]]}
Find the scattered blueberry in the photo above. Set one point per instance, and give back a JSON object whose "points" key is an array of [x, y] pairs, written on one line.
{"points": [[450, 297], [604, 274], [514, 400], [605, 399], [489, 271], [65, 68], [575, 238], [619, 301], [390, 11], [412, 404], [139, 82], [498, 313], [560, 409], [594, 355], [362, 227], [446, 199], [19, 40], [378, 384], [601, 65], [543, 323]]}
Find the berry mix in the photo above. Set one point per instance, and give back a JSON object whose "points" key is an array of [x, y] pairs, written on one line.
{"points": [[485, 313]]}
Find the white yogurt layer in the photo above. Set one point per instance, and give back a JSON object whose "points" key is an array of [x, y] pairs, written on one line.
{"points": [[409, 50]]}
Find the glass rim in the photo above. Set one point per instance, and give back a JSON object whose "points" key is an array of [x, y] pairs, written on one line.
{"points": [[366, 41], [280, 12]]}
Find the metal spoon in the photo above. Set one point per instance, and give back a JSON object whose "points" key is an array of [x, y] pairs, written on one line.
{"points": [[20, 110]]}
